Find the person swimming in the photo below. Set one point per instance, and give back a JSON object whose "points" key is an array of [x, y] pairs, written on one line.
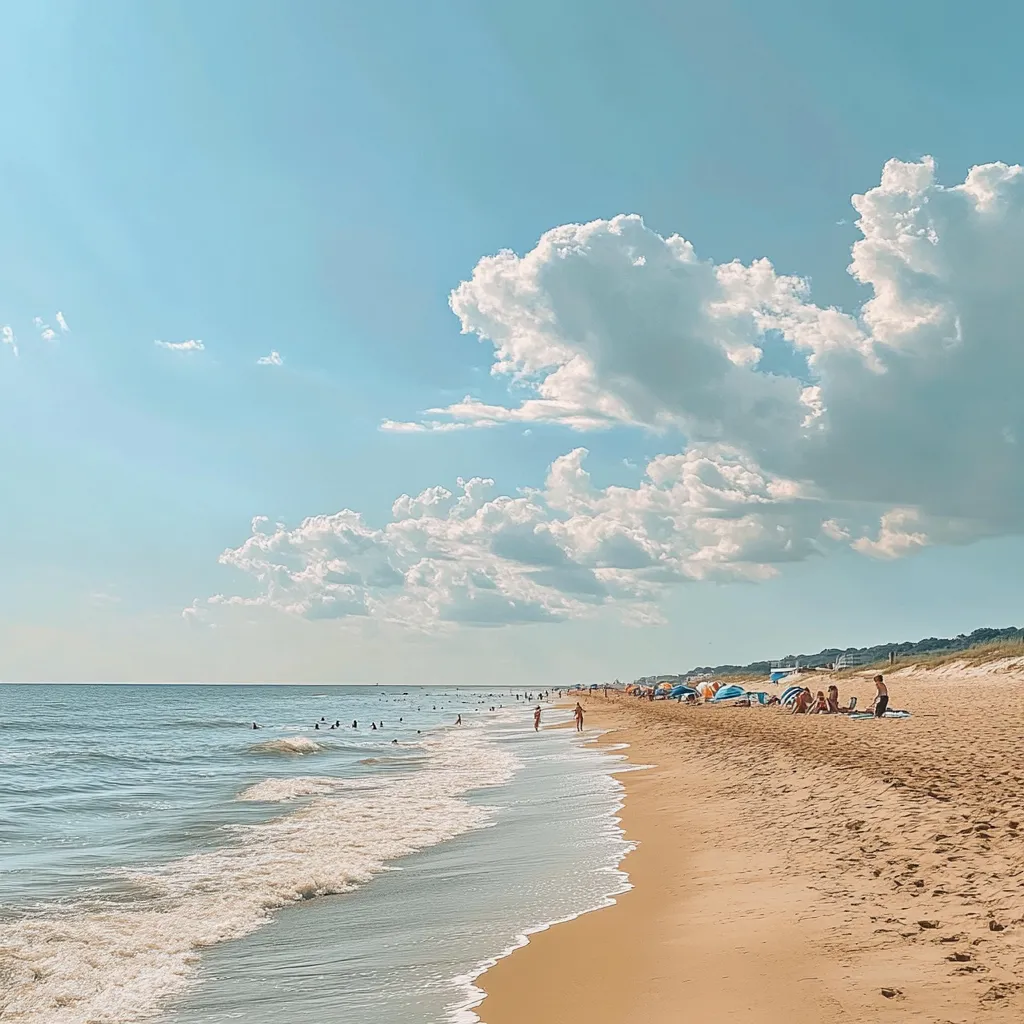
{"points": [[373, 726], [316, 725], [355, 724], [255, 726]]}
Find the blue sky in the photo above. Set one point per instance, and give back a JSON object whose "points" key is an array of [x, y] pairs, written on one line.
{"points": [[316, 181]]}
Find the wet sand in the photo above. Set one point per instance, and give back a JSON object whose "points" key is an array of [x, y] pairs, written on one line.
{"points": [[803, 869]]}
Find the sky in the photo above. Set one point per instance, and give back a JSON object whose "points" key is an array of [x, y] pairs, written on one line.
{"points": [[541, 343]]}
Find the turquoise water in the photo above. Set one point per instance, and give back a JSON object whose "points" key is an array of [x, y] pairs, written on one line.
{"points": [[159, 859]]}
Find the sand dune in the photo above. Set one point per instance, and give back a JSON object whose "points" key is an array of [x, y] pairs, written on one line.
{"points": [[797, 868]]}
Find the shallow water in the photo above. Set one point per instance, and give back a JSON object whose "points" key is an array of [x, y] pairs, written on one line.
{"points": [[158, 858]]}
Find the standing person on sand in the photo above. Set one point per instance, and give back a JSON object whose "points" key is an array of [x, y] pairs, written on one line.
{"points": [[882, 698], [536, 719], [577, 713]]}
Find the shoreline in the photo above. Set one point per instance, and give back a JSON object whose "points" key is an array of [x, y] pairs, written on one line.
{"points": [[791, 869]]}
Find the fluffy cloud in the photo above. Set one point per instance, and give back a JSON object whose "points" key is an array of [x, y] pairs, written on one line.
{"points": [[479, 558], [7, 337], [900, 427], [62, 323], [913, 402], [192, 345], [274, 359]]}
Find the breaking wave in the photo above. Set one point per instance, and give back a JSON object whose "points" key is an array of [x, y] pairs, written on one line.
{"points": [[106, 963]]}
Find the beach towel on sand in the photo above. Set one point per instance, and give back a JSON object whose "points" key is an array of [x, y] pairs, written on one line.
{"points": [[861, 715]]}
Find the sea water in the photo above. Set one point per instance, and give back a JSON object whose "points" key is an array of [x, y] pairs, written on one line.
{"points": [[160, 859]]}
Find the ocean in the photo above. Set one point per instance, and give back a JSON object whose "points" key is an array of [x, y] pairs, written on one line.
{"points": [[160, 860]]}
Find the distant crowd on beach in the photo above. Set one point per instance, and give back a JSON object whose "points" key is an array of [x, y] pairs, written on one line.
{"points": [[798, 700]]}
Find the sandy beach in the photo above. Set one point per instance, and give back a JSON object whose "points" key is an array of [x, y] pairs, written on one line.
{"points": [[803, 869]]}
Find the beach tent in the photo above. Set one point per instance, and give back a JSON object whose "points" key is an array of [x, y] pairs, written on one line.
{"points": [[728, 693], [682, 691]]}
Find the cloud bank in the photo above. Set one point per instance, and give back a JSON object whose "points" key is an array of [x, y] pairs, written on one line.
{"points": [[563, 551], [901, 428]]}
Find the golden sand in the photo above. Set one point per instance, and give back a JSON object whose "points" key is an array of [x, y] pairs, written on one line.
{"points": [[801, 869]]}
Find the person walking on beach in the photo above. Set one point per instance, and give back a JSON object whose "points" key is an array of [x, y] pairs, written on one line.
{"points": [[536, 719], [458, 721], [578, 715], [882, 697]]}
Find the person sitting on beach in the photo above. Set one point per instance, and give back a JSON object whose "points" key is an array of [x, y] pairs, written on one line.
{"points": [[881, 698], [802, 702], [833, 700], [819, 706]]}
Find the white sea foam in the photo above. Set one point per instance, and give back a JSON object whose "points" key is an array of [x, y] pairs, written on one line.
{"points": [[108, 964], [278, 790], [287, 745]]}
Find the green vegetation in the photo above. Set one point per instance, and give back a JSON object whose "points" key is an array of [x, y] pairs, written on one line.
{"points": [[983, 644]]}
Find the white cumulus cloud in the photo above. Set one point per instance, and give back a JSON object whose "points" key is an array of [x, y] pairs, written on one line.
{"points": [[274, 359], [475, 557], [192, 345], [62, 323], [7, 337], [911, 401], [897, 430]]}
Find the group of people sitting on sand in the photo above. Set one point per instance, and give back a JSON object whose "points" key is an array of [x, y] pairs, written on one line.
{"points": [[828, 704]]}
